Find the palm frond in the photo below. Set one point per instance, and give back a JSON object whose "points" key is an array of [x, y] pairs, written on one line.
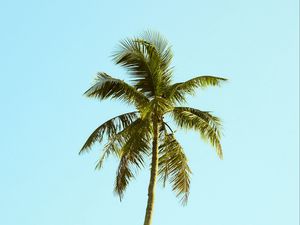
{"points": [[106, 86], [177, 91], [148, 61], [208, 125], [104, 155], [173, 166], [132, 55], [116, 142], [159, 66], [135, 147], [156, 39], [109, 128], [124, 175], [160, 48]]}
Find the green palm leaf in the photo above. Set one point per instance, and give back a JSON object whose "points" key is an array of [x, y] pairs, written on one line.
{"points": [[124, 175], [208, 125], [116, 141], [135, 147], [109, 128], [106, 86], [173, 166], [177, 91], [132, 56], [147, 59]]}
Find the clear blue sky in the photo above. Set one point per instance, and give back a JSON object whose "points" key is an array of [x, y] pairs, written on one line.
{"points": [[50, 52]]}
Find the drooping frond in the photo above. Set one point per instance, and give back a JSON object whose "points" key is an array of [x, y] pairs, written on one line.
{"points": [[106, 86], [135, 147], [138, 142], [109, 128], [148, 61], [124, 175], [131, 145], [173, 166], [113, 148], [177, 91], [208, 125], [116, 141]]}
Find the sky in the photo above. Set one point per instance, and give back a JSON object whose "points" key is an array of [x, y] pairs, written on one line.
{"points": [[50, 52]]}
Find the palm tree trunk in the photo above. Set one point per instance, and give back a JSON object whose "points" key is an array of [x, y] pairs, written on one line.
{"points": [[154, 168]]}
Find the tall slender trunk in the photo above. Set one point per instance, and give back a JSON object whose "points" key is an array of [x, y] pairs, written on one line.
{"points": [[154, 168]]}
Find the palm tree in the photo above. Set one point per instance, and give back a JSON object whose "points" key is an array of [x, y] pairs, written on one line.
{"points": [[133, 137]]}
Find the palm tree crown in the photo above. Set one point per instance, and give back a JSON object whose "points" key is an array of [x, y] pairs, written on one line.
{"points": [[134, 136]]}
